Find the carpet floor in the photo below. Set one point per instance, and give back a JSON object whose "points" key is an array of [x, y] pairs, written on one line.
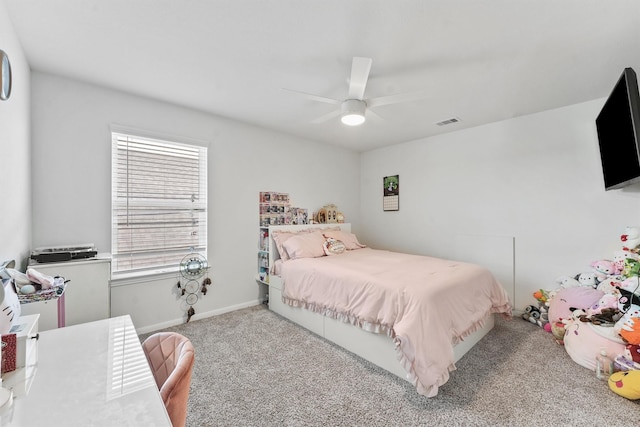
{"points": [[255, 368]]}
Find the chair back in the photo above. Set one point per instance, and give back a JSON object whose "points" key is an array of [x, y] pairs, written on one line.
{"points": [[171, 357]]}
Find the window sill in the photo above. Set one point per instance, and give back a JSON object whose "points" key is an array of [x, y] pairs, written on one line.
{"points": [[125, 279]]}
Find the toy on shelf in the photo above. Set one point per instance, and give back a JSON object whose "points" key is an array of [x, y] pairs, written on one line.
{"points": [[328, 214]]}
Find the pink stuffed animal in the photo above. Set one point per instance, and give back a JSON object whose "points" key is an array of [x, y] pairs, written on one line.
{"points": [[604, 268], [566, 300], [609, 300]]}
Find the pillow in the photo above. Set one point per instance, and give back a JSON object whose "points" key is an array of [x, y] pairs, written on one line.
{"points": [[332, 246], [349, 239], [279, 237], [305, 245]]}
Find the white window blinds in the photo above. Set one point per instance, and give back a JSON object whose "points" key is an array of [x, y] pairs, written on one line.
{"points": [[159, 203]]}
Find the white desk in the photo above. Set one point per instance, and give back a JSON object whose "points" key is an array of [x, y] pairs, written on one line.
{"points": [[91, 374]]}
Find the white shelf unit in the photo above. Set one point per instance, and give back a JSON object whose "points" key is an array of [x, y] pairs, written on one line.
{"points": [[274, 207], [263, 256]]}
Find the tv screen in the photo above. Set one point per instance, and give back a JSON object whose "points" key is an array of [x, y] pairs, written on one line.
{"points": [[618, 126]]}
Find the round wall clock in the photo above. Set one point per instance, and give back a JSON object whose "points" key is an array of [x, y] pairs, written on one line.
{"points": [[5, 76]]}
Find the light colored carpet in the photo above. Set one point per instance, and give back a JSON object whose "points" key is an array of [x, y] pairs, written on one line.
{"points": [[255, 368]]}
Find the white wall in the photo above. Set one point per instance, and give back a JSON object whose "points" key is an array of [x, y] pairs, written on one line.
{"points": [[72, 184], [15, 162], [535, 178]]}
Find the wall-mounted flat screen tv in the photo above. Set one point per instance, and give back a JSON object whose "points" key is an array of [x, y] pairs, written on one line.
{"points": [[618, 126]]}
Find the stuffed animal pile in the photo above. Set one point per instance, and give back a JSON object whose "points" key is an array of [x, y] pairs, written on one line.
{"points": [[596, 313]]}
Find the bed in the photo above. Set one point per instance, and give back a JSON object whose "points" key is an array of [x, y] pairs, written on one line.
{"points": [[414, 316]]}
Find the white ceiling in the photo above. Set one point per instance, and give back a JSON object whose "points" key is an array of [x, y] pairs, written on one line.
{"points": [[479, 61]]}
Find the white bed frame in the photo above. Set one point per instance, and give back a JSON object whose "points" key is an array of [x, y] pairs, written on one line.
{"points": [[378, 349]]}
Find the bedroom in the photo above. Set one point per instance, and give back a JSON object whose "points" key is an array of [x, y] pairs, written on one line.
{"points": [[535, 178]]}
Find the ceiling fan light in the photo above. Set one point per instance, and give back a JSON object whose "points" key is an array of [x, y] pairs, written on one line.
{"points": [[353, 112], [353, 119]]}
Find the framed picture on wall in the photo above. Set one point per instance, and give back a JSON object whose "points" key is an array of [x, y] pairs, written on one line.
{"points": [[391, 193]]}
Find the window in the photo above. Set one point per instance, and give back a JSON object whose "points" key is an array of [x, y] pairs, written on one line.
{"points": [[159, 204]]}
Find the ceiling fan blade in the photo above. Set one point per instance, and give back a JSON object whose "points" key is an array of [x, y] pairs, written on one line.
{"points": [[326, 117], [397, 98], [373, 114], [360, 68], [315, 97]]}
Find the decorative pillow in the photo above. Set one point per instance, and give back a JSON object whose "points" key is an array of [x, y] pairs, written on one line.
{"points": [[304, 245], [349, 240], [332, 246]]}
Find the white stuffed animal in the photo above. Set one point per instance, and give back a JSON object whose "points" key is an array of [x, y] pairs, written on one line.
{"points": [[587, 279], [610, 284], [567, 282], [631, 239]]}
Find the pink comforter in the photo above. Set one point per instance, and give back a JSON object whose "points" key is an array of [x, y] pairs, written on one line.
{"points": [[425, 304]]}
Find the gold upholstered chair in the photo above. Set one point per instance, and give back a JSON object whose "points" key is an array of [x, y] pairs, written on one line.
{"points": [[171, 357]]}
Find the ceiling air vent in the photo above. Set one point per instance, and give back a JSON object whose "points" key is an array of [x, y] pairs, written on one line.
{"points": [[448, 121]]}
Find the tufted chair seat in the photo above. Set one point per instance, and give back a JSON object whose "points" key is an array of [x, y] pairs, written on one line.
{"points": [[171, 357]]}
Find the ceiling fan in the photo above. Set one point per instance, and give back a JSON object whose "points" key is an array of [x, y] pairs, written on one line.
{"points": [[352, 109]]}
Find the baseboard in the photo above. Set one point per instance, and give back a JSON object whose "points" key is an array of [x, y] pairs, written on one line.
{"points": [[197, 316]]}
